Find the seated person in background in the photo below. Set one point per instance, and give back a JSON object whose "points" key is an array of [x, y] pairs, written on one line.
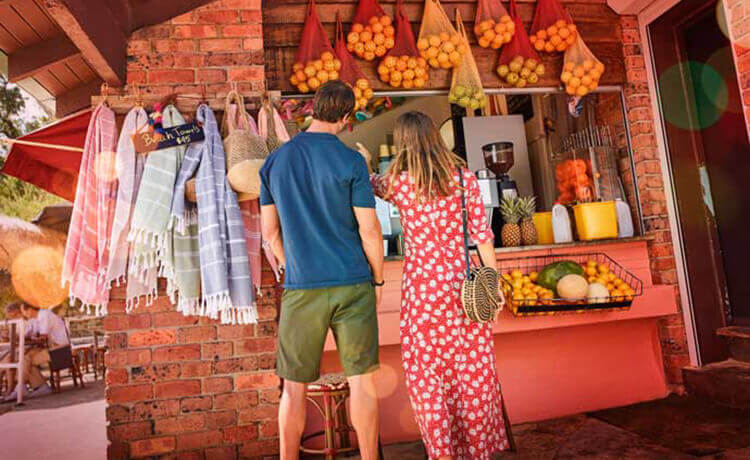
{"points": [[50, 333]]}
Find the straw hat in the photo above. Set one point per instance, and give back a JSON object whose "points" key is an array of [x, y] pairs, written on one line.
{"points": [[35, 274], [245, 151]]}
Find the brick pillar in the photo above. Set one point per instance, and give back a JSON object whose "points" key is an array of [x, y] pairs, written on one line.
{"points": [[653, 199], [181, 386]]}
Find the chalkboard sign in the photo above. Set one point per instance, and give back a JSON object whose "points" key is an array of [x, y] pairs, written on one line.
{"points": [[150, 140]]}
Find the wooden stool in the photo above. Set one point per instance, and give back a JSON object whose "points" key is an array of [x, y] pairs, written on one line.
{"points": [[333, 390]]}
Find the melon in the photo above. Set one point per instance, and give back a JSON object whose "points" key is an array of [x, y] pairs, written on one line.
{"points": [[597, 293], [552, 273], [573, 287]]}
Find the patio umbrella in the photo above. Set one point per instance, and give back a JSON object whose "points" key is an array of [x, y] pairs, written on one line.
{"points": [[51, 156]]}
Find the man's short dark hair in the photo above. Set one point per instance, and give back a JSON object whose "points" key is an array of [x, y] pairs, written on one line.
{"points": [[333, 101]]}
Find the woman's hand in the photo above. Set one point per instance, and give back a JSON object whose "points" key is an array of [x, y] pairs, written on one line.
{"points": [[366, 155]]}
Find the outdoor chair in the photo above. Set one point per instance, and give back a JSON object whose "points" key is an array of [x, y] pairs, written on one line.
{"points": [[100, 349], [86, 355], [333, 391], [62, 359]]}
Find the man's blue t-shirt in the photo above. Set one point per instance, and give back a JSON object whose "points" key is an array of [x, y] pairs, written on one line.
{"points": [[314, 180]]}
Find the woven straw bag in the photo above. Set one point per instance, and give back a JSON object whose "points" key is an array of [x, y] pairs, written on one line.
{"points": [[246, 152], [272, 141], [480, 297]]}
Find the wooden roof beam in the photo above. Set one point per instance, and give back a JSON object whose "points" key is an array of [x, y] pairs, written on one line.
{"points": [[39, 56], [92, 27], [77, 98]]}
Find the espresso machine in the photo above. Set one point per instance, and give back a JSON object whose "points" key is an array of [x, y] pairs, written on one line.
{"points": [[495, 183]]}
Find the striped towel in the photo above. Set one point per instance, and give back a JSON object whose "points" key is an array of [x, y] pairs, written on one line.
{"points": [[150, 232], [87, 250], [226, 285], [251, 217]]}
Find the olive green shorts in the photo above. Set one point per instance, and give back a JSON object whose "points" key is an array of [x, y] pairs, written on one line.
{"points": [[306, 315]]}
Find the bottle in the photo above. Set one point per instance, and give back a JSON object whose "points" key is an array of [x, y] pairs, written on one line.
{"points": [[624, 219], [384, 159], [561, 228]]}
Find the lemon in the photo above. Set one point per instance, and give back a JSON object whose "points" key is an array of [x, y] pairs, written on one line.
{"points": [[533, 276], [516, 274], [603, 268]]}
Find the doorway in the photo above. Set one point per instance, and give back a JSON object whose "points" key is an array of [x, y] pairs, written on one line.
{"points": [[708, 152]]}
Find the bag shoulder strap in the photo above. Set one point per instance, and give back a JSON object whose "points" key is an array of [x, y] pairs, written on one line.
{"points": [[465, 218]]}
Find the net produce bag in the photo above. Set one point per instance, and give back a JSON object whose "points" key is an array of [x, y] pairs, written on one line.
{"points": [[581, 70], [350, 71], [372, 33], [439, 43], [466, 85], [493, 25], [519, 65], [316, 62], [403, 67], [552, 29]]}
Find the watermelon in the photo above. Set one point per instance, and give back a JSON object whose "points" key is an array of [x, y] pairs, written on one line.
{"points": [[551, 274]]}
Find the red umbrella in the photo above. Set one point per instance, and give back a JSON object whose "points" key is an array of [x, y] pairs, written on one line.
{"points": [[51, 156]]}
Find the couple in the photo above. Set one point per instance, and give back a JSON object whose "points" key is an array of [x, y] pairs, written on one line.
{"points": [[318, 214]]}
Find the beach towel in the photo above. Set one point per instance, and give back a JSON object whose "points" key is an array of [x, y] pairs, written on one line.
{"points": [[150, 231], [86, 257], [226, 286]]}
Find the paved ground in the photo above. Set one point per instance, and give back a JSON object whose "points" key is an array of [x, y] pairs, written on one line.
{"points": [[71, 425]]}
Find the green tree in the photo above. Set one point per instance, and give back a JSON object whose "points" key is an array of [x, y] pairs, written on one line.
{"points": [[18, 198]]}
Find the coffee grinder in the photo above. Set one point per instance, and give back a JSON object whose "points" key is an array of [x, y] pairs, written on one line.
{"points": [[498, 158]]}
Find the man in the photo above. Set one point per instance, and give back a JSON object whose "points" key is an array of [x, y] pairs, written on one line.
{"points": [[318, 215]]}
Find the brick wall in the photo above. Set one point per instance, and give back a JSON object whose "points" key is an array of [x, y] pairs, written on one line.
{"points": [[188, 387], [653, 199], [738, 23]]}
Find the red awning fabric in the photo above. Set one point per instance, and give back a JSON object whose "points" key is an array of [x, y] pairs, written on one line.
{"points": [[51, 169]]}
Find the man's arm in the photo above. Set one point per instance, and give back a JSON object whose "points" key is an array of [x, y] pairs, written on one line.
{"points": [[271, 229], [372, 243]]}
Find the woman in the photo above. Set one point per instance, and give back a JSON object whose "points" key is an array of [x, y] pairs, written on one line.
{"points": [[448, 360]]}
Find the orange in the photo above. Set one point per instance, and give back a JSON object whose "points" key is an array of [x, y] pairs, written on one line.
{"points": [[333, 75], [409, 74], [552, 31], [422, 62], [380, 51], [310, 71], [434, 62], [382, 69], [419, 72], [369, 55], [327, 56], [365, 36], [560, 23], [301, 76], [419, 82], [549, 47], [555, 40], [377, 27], [396, 75], [434, 40], [408, 84], [322, 76], [329, 65], [359, 48], [432, 52], [561, 47], [570, 40], [389, 31], [303, 88], [318, 64], [564, 32], [353, 37], [379, 39], [386, 77], [293, 80], [423, 44], [448, 47], [412, 63], [357, 27], [369, 93], [337, 64], [357, 93], [389, 42], [314, 83], [539, 45], [542, 34], [444, 37], [578, 71], [386, 20], [402, 65], [370, 46], [298, 66], [390, 62]]}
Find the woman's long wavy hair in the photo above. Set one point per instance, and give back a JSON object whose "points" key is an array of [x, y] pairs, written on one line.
{"points": [[422, 154]]}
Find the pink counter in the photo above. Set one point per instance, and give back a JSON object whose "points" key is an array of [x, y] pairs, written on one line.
{"points": [[549, 366]]}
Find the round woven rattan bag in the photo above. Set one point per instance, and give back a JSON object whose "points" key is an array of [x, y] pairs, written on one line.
{"points": [[480, 297]]}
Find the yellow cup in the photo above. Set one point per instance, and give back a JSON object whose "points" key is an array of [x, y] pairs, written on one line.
{"points": [[543, 224], [596, 221]]}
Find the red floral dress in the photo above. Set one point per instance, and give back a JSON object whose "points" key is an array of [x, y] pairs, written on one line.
{"points": [[449, 361]]}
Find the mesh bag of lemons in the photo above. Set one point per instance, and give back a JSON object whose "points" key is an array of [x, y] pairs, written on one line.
{"points": [[466, 85]]}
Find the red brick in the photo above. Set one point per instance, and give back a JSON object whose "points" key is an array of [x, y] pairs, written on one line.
{"points": [[211, 75], [118, 450], [269, 429], [196, 334], [177, 388], [165, 46], [217, 385], [171, 76], [232, 365], [199, 404], [174, 318], [251, 16], [235, 59], [135, 77], [155, 31], [253, 44], [267, 329], [266, 312], [129, 393], [195, 31], [218, 17], [221, 453], [259, 448], [116, 376], [129, 431], [220, 419], [189, 60], [196, 369], [138, 47], [220, 44], [182, 424], [256, 381], [238, 4], [187, 18], [267, 361], [155, 372], [177, 353], [151, 410], [270, 396], [237, 434], [117, 414], [236, 400], [242, 30], [252, 346], [216, 350], [258, 413], [235, 332], [152, 337], [153, 446], [198, 440]]}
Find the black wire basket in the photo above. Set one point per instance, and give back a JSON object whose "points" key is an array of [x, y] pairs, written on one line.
{"points": [[528, 299]]}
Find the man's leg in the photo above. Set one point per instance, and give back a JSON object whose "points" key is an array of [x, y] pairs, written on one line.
{"points": [[292, 416], [364, 414], [38, 359]]}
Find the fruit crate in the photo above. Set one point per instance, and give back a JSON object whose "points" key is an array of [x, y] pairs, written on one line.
{"points": [[597, 267]]}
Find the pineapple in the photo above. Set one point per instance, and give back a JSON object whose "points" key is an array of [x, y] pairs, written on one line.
{"points": [[511, 232], [527, 206]]}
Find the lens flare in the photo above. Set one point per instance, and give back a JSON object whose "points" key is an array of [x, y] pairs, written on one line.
{"points": [[105, 166], [709, 90]]}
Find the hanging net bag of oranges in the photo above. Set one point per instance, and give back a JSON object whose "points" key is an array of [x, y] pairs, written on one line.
{"points": [[372, 33], [403, 67], [581, 70], [466, 85], [439, 42], [552, 30], [493, 25], [350, 71], [316, 62], [519, 65]]}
